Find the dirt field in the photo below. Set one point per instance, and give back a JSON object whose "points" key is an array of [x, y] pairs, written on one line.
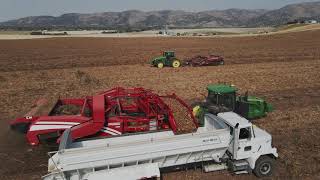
{"points": [[282, 68]]}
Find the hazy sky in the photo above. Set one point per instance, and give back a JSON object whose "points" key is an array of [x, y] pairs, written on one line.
{"points": [[11, 9]]}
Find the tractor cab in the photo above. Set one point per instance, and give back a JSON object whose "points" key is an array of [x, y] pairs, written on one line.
{"points": [[168, 54], [222, 96]]}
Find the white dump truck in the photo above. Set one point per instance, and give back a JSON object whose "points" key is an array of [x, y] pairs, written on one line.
{"points": [[226, 141]]}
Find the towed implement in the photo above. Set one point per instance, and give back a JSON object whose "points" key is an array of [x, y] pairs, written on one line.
{"points": [[111, 113], [226, 141], [211, 60]]}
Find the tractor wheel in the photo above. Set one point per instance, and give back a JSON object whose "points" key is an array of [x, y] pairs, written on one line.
{"points": [[160, 65], [264, 166], [176, 63]]}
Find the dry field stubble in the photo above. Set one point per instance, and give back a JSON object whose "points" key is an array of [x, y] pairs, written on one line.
{"points": [[282, 68]]}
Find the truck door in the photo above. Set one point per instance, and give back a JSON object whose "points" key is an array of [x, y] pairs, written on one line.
{"points": [[245, 143]]}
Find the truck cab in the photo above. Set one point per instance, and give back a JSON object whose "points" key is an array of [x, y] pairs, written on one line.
{"points": [[251, 148]]}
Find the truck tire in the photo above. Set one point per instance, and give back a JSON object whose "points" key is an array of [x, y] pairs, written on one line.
{"points": [[160, 65], [222, 63], [176, 63], [264, 166]]}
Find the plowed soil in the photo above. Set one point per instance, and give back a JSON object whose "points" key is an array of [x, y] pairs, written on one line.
{"points": [[283, 68]]}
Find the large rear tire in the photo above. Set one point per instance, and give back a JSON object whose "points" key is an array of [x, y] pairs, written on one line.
{"points": [[264, 166], [176, 63]]}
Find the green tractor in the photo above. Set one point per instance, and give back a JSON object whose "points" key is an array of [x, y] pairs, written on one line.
{"points": [[167, 59], [223, 98]]}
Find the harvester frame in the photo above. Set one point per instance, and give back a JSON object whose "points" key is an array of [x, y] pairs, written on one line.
{"points": [[114, 112]]}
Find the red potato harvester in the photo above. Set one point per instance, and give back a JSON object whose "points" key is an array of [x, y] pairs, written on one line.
{"points": [[111, 113]]}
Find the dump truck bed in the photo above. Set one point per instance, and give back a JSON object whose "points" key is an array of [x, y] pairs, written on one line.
{"points": [[162, 148]]}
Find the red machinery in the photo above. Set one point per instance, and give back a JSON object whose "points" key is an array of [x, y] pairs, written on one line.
{"points": [[114, 112], [211, 60]]}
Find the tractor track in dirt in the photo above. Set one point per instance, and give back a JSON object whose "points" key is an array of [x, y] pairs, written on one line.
{"points": [[283, 69]]}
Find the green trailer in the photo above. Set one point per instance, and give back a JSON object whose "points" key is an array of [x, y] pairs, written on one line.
{"points": [[223, 98], [167, 59]]}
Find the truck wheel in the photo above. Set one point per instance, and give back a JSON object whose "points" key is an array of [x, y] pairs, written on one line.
{"points": [[264, 166], [222, 63], [160, 65], [176, 63]]}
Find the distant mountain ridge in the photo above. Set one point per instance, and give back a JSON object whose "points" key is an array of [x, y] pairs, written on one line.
{"points": [[289, 13], [174, 18]]}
